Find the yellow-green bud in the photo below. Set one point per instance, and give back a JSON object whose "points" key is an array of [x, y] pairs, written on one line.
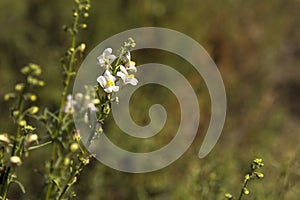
{"points": [[19, 87], [228, 196], [81, 47], [34, 67], [33, 110], [83, 26], [75, 14], [74, 147], [37, 72], [29, 128], [25, 70], [15, 161], [247, 177], [86, 15], [32, 97], [96, 101], [246, 191], [4, 138], [259, 175], [9, 96], [15, 113], [66, 161], [87, 7], [41, 83], [257, 160], [22, 123], [32, 138], [32, 81]]}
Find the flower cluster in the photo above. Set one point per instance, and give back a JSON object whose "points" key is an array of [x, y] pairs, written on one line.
{"points": [[256, 164], [119, 71]]}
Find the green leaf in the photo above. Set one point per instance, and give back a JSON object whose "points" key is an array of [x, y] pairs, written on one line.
{"points": [[40, 145], [20, 185]]}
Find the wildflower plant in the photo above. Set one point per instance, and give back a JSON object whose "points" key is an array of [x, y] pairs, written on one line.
{"points": [[68, 156], [251, 176]]}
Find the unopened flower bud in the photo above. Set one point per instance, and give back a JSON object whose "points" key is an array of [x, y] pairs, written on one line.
{"points": [[4, 138], [87, 7], [247, 177], [96, 101], [22, 123], [82, 47], [246, 191], [83, 26], [74, 147], [32, 138], [41, 83], [86, 15], [29, 128], [15, 161], [33, 110], [32, 97], [71, 50], [19, 87], [259, 175], [25, 70], [9, 96], [74, 180], [228, 196], [66, 161]]}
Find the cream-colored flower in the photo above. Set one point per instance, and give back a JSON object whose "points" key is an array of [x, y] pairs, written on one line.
{"points": [[69, 107], [130, 65], [126, 78], [15, 161], [106, 58], [107, 82]]}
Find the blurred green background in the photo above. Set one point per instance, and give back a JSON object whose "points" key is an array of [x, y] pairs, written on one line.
{"points": [[256, 45]]}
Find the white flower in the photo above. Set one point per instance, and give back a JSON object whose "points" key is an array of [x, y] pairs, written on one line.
{"points": [[107, 82], [126, 78], [69, 107], [106, 58], [92, 107], [130, 65]]}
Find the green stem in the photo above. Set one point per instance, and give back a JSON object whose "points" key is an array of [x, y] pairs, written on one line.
{"points": [[244, 186], [20, 108], [62, 103], [70, 181]]}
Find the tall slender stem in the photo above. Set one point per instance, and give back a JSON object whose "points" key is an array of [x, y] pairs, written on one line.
{"points": [[62, 103]]}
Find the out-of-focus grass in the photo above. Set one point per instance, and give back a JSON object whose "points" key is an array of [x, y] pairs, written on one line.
{"points": [[256, 47]]}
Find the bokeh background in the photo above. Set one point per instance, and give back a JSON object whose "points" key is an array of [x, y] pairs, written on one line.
{"points": [[256, 45]]}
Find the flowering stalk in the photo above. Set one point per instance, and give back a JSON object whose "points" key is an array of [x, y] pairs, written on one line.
{"points": [[118, 72], [253, 174], [68, 65], [24, 136]]}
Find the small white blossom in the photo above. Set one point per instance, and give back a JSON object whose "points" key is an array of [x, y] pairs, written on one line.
{"points": [[130, 65], [69, 107], [106, 58], [92, 107], [107, 82], [126, 78]]}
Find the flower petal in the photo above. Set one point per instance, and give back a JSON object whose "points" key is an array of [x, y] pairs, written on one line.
{"points": [[122, 76], [102, 81], [133, 81]]}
